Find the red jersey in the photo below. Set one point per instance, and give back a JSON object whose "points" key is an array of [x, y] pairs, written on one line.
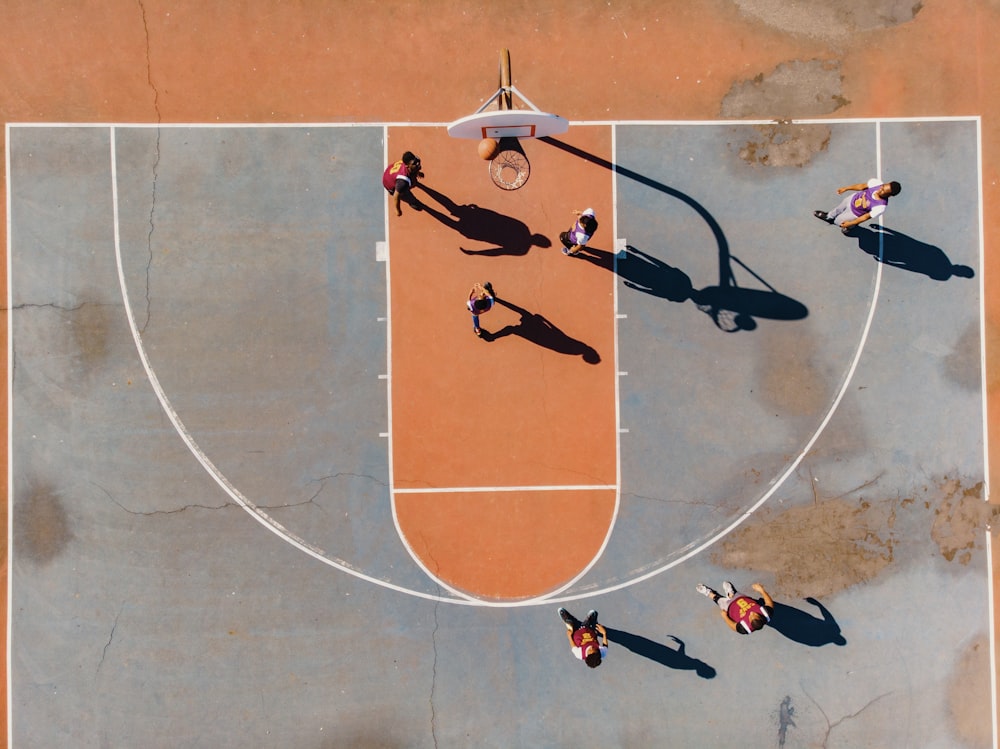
{"points": [[584, 637], [394, 172], [740, 609]]}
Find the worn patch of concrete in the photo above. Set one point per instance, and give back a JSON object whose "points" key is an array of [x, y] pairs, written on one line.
{"points": [[814, 550], [782, 144], [825, 547], [960, 517], [41, 525], [90, 326], [794, 89], [968, 694], [830, 21], [962, 365], [789, 376]]}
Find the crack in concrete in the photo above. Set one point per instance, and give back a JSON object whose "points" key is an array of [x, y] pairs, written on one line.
{"points": [[111, 637], [860, 487], [679, 501], [195, 506], [339, 474], [156, 161], [434, 649], [831, 725], [61, 308], [158, 512], [433, 566]]}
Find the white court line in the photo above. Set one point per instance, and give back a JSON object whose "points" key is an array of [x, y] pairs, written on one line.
{"points": [[991, 603], [494, 489], [10, 441], [982, 312], [986, 437], [344, 566], [573, 123]]}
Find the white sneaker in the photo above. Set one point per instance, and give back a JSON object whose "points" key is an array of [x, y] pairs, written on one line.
{"points": [[704, 589], [729, 588]]}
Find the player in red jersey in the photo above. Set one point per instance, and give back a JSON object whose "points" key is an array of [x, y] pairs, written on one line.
{"points": [[587, 639], [399, 178], [742, 613]]}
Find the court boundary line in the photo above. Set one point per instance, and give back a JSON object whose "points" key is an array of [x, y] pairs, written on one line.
{"points": [[481, 489], [580, 123], [342, 565], [10, 445], [991, 582], [991, 613]]}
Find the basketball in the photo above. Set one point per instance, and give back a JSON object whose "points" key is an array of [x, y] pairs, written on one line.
{"points": [[488, 148]]}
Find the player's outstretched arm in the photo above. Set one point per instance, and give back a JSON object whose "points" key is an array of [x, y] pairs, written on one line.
{"points": [[764, 594], [851, 188]]}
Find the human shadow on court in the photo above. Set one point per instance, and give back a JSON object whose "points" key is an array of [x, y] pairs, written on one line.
{"points": [[506, 234], [805, 628], [902, 251], [730, 306], [643, 272], [542, 332], [667, 656]]}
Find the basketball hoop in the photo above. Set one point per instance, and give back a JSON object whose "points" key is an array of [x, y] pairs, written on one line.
{"points": [[510, 168]]}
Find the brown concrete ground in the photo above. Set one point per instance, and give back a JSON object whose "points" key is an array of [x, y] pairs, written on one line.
{"points": [[116, 61]]}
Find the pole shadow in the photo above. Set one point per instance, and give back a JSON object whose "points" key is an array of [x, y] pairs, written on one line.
{"points": [[507, 235], [802, 627], [730, 306], [539, 330], [899, 250], [660, 653]]}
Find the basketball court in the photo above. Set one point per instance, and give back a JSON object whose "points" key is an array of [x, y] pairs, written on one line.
{"points": [[269, 489]]}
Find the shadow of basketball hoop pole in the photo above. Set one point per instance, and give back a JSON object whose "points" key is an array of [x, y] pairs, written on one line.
{"points": [[730, 306]]}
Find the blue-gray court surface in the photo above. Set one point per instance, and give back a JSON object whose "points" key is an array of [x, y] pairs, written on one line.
{"points": [[199, 323]]}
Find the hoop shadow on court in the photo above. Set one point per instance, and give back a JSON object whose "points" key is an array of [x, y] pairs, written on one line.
{"points": [[507, 235], [675, 658], [542, 332], [894, 248], [730, 306], [802, 627]]}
